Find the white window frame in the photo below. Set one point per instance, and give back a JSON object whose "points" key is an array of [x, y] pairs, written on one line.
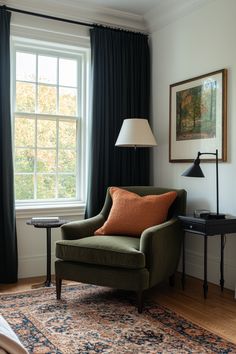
{"points": [[70, 207]]}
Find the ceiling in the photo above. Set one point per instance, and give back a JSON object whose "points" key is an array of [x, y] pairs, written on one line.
{"points": [[139, 7]]}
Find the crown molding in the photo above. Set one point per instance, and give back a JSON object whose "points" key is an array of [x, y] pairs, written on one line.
{"points": [[168, 11], [81, 11]]}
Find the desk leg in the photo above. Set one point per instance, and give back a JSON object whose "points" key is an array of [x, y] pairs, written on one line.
{"points": [[48, 280], [222, 263], [183, 263], [205, 286]]}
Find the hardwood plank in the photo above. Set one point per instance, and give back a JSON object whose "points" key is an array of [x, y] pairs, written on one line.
{"points": [[217, 313]]}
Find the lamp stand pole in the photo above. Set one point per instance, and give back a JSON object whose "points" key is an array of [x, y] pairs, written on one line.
{"points": [[217, 184], [217, 176]]}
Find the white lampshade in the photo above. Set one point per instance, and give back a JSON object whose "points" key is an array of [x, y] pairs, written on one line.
{"points": [[136, 132]]}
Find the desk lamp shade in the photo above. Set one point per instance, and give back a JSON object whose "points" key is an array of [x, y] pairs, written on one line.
{"points": [[194, 170], [135, 132]]}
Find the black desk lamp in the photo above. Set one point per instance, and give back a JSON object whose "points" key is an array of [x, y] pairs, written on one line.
{"points": [[196, 171]]}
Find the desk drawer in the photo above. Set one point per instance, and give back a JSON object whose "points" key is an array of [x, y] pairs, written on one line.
{"points": [[194, 227]]}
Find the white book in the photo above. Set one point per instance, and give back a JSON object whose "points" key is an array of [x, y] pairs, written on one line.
{"points": [[45, 219]]}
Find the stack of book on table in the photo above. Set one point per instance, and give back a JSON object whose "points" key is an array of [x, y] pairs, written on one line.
{"points": [[45, 219]]}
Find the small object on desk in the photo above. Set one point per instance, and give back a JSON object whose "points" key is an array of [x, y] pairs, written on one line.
{"points": [[209, 216], [45, 223], [198, 212], [206, 214]]}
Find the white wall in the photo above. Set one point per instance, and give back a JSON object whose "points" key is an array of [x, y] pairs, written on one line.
{"points": [[196, 44]]}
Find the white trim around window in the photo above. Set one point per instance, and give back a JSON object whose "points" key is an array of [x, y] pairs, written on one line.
{"points": [[72, 206]]}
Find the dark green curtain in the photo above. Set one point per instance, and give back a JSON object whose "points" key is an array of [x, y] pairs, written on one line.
{"points": [[8, 244], [120, 89]]}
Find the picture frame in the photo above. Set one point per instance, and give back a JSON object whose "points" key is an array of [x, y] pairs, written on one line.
{"points": [[198, 117]]}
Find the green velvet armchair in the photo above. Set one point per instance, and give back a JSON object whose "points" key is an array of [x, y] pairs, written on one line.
{"points": [[121, 262]]}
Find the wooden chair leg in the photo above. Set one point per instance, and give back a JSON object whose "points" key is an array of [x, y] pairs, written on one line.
{"points": [[172, 280], [58, 287], [140, 301]]}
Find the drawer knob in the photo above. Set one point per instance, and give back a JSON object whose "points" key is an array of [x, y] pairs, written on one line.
{"points": [[190, 226]]}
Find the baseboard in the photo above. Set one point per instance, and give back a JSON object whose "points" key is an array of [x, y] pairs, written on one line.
{"points": [[194, 266]]}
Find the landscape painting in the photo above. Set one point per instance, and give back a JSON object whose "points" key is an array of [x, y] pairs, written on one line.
{"points": [[196, 112], [198, 109]]}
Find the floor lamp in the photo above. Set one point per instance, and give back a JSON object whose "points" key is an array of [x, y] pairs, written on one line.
{"points": [[135, 132]]}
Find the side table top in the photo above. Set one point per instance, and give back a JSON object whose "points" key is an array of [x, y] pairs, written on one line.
{"points": [[44, 224], [208, 227]]}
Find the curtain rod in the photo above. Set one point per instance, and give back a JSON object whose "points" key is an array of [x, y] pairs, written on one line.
{"points": [[50, 17], [65, 19]]}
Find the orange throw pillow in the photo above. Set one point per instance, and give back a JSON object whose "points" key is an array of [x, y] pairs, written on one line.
{"points": [[131, 214]]}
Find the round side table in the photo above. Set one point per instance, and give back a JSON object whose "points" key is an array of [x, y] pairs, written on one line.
{"points": [[48, 226]]}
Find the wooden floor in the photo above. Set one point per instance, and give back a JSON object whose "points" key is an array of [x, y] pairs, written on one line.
{"points": [[217, 313]]}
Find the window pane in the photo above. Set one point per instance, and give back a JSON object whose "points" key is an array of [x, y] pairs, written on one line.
{"points": [[46, 185], [67, 134], [46, 133], [66, 186], [67, 101], [24, 160], [66, 161], [24, 187], [25, 66], [67, 72], [47, 70], [24, 132], [47, 99], [25, 97], [46, 160]]}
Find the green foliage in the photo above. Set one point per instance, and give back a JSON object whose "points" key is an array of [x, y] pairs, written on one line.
{"points": [[47, 99], [67, 134], [46, 160], [46, 186], [66, 186], [67, 161], [24, 187], [46, 133], [25, 97], [24, 160], [67, 101], [24, 132]]}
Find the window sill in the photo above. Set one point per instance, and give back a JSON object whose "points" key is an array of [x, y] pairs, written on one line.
{"points": [[66, 209]]}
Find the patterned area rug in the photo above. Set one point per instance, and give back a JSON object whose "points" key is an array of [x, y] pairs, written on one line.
{"points": [[91, 319]]}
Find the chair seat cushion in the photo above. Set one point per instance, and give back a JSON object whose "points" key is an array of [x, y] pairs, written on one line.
{"points": [[120, 251]]}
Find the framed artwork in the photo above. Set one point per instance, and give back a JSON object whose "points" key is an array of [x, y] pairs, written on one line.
{"points": [[198, 117]]}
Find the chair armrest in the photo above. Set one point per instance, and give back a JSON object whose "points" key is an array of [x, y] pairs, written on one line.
{"points": [[83, 228], [161, 245]]}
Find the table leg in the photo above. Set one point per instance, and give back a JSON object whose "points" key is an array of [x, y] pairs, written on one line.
{"points": [[205, 285], [183, 263], [222, 263], [48, 280]]}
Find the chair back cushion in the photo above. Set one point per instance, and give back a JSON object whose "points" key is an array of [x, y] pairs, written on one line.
{"points": [[131, 213], [178, 207]]}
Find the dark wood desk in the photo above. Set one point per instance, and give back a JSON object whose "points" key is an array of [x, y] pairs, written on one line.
{"points": [[205, 228]]}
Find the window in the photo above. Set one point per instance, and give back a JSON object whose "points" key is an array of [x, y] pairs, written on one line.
{"points": [[49, 89]]}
